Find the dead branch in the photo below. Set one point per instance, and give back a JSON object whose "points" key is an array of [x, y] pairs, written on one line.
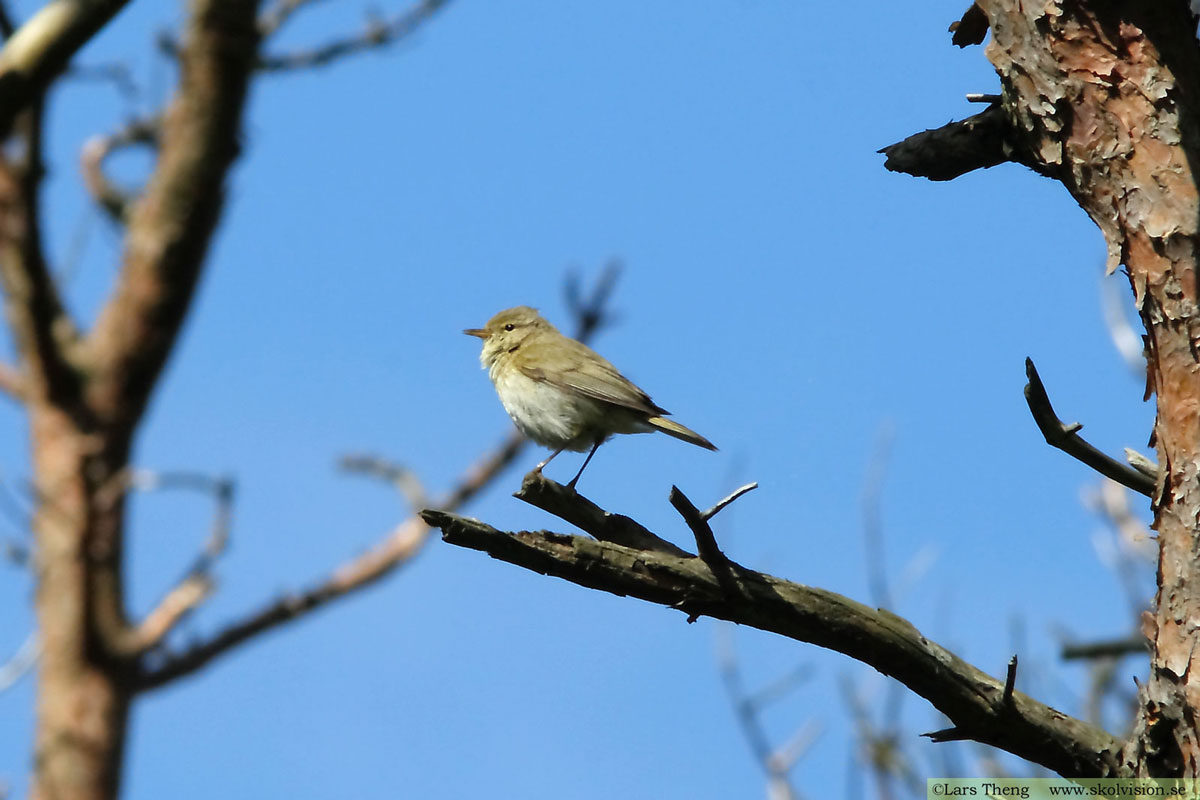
{"points": [[114, 200], [12, 383], [1112, 648], [971, 699], [43, 330], [398, 548], [37, 52], [197, 583], [21, 662], [971, 29], [170, 226], [567, 504], [275, 17], [1066, 438], [376, 34], [944, 153]]}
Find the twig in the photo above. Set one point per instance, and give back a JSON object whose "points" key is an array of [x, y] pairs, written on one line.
{"points": [[1010, 683], [402, 479], [12, 383], [734, 495], [197, 583], [274, 18], [706, 544], [117, 73], [376, 34], [1112, 648], [879, 638], [1066, 438], [21, 662], [113, 200]]}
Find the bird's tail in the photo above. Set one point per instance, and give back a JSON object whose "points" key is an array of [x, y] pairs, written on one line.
{"points": [[672, 428]]}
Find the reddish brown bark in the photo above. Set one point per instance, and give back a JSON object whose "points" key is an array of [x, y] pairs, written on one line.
{"points": [[1106, 97]]}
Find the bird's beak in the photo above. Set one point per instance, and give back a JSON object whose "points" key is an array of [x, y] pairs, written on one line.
{"points": [[477, 332]]}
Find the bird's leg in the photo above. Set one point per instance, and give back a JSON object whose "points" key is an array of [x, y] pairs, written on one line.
{"points": [[549, 458], [595, 447]]}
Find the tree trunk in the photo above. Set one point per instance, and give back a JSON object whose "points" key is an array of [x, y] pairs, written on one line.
{"points": [[1106, 97], [83, 693]]}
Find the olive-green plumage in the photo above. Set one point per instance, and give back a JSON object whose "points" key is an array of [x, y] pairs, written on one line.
{"points": [[560, 392]]}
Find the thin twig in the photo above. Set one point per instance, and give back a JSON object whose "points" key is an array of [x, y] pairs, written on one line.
{"points": [[113, 200], [734, 495], [1066, 438], [402, 479], [21, 662], [12, 383], [197, 583], [1010, 683], [377, 34], [274, 18], [706, 544], [1112, 648]]}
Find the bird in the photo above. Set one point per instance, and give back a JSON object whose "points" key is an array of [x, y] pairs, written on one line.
{"points": [[562, 394]]}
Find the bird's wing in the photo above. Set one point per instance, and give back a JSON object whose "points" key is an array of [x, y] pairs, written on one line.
{"points": [[575, 367]]}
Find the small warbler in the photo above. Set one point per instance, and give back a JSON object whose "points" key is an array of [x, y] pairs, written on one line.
{"points": [[560, 393]]}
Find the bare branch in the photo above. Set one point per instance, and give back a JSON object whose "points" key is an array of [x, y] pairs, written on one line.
{"points": [[540, 491], [170, 227], [43, 330], [723, 502], [944, 153], [879, 638], [12, 383], [402, 479], [113, 200], [275, 17], [1066, 438], [1112, 648], [197, 583], [706, 545], [21, 662], [41, 48], [377, 34], [971, 29]]}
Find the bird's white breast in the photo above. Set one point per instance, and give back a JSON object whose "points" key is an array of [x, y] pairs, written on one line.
{"points": [[551, 417]]}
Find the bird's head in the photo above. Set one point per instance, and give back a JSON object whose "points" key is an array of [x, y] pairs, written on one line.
{"points": [[507, 331]]}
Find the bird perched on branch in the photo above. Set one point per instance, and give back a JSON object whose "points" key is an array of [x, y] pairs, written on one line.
{"points": [[560, 393]]}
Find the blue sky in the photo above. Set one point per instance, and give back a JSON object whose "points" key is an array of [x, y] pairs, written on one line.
{"points": [[782, 294]]}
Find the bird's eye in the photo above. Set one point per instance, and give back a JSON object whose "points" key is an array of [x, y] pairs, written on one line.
{"points": [[508, 327]]}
